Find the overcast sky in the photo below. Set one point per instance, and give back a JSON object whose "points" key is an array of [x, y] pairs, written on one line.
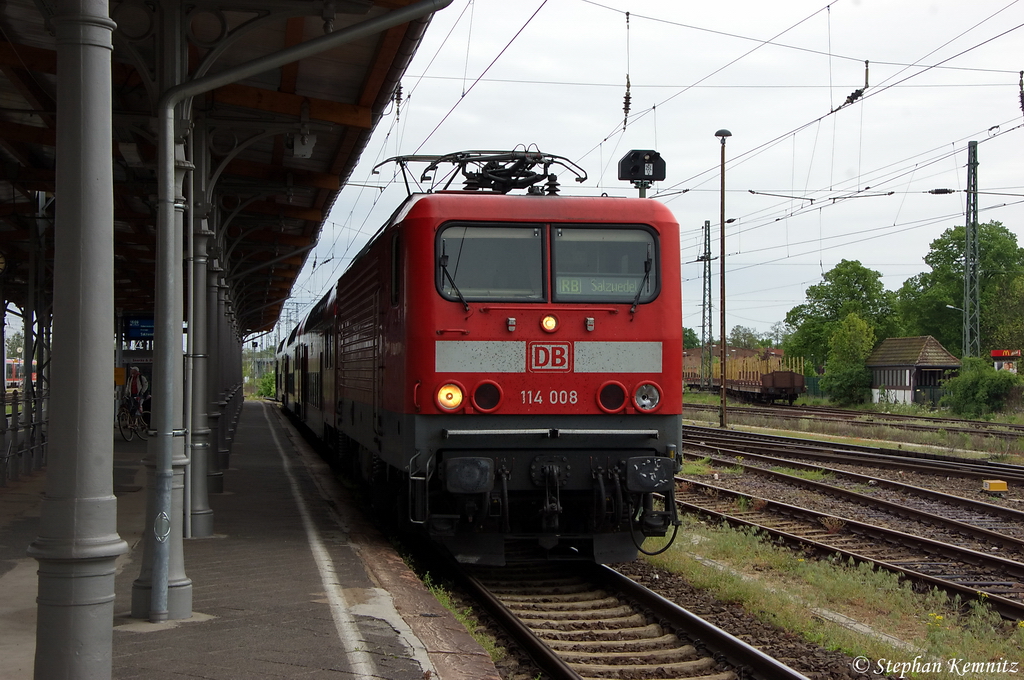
{"points": [[833, 181]]}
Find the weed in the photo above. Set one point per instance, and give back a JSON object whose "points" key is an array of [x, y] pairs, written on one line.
{"points": [[701, 466], [833, 525], [811, 475], [464, 615]]}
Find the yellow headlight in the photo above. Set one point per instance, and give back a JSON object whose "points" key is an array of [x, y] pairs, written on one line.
{"points": [[449, 396], [549, 323]]}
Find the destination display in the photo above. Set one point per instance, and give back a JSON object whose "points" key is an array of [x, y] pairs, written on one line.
{"points": [[139, 328], [586, 286]]}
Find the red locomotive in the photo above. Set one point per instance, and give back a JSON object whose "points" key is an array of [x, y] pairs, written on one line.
{"points": [[506, 369]]}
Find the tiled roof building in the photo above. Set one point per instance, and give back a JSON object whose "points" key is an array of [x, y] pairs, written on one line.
{"points": [[902, 368]]}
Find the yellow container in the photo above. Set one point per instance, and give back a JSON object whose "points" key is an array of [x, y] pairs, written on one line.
{"points": [[993, 485]]}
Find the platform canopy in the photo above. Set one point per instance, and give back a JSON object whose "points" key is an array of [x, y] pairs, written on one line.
{"points": [[281, 144]]}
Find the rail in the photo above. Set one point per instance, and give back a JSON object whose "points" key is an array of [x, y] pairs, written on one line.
{"points": [[590, 621]]}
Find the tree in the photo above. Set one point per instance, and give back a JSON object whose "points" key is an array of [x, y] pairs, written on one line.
{"points": [[847, 380], [1007, 318], [778, 334], [265, 386], [979, 390], [848, 288], [743, 337], [15, 344], [922, 300], [690, 339]]}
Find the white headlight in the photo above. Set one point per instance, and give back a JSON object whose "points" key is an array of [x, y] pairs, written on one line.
{"points": [[647, 396]]}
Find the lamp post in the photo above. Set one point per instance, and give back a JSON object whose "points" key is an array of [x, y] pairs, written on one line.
{"points": [[723, 135], [965, 339]]}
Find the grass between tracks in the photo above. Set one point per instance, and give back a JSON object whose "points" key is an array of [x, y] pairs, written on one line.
{"points": [[788, 590]]}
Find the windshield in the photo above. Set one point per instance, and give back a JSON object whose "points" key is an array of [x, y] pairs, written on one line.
{"points": [[491, 263], [604, 264]]}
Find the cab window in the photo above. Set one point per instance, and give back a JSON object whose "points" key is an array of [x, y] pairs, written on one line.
{"points": [[599, 264], [491, 262]]}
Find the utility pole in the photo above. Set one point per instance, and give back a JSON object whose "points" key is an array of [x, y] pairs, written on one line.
{"points": [[707, 340], [722, 135], [972, 340]]}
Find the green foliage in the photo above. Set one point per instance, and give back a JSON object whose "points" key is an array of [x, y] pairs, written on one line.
{"points": [[265, 386], [849, 287], [847, 381], [922, 300], [15, 343], [690, 339], [701, 466], [979, 390]]}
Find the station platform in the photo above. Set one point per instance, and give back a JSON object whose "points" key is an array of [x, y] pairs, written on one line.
{"points": [[294, 583]]}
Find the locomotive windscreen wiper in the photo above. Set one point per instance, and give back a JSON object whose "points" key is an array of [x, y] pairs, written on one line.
{"points": [[647, 275], [444, 270]]}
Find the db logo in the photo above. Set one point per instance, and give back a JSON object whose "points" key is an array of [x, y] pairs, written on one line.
{"points": [[550, 356]]}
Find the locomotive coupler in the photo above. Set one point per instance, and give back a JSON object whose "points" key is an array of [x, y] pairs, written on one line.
{"points": [[552, 500], [654, 522], [649, 475]]}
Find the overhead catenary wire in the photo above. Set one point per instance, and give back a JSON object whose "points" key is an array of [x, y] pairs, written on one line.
{"points": [[634, 117]]}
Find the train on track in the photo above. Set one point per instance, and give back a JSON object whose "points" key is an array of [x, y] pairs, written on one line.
{"points": [[504, 370], [14, 373], [760, 376]]}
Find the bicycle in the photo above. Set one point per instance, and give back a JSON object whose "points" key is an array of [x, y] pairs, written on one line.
{"points": [[131, 421]]}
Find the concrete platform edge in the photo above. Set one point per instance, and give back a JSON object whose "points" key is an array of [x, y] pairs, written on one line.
{"points": [[452, 651]]}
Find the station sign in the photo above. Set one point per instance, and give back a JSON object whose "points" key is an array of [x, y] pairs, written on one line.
{"points": [[138, 327]]}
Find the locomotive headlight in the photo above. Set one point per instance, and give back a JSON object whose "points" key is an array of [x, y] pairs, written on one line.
{"points": [[469, 475], [449, 396], [549, 323], [647, 396]]}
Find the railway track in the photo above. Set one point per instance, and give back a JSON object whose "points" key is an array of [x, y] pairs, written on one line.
{"points": [[806, 449], [578, 620], [954, 569], [985, 524], [1002, 431]]}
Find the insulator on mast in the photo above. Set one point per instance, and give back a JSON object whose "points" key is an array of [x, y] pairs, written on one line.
{"points": [[625, 104]]}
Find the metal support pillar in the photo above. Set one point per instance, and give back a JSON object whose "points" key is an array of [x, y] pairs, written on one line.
{"points": [[163, 591], [234, 378], [972, 299], [78, 542], [29, 353], [223, 390], [201, 513], [42, 402], [214, 322]]}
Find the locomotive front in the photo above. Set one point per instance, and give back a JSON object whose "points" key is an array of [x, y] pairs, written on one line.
{"points": [[544, 378]]}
